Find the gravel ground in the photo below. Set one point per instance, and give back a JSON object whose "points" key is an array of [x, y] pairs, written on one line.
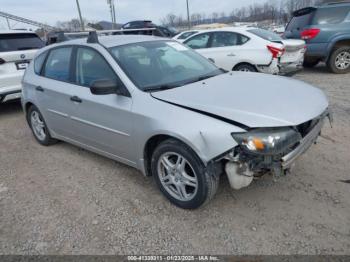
{"points": [[64, 200]]}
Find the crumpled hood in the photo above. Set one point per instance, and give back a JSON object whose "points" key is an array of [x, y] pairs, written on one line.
{"points": [[252, 99]]}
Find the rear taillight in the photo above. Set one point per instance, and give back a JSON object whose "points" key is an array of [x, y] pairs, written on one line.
{"points": [[2, 61], [276, 52], [309, 33]]}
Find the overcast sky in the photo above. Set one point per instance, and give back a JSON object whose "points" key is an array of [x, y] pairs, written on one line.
{"points": [[51, 11]]}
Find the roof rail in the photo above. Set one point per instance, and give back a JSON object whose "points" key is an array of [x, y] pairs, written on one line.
{"points": [[61, 37], [92, 38]]}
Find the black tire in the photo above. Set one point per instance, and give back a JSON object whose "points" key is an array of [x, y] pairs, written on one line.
{"points": [[331, 63], [47, 140], [207, 181], [311, 62], [245, 68]]}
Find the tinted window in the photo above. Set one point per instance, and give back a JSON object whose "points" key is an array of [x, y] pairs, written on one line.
{"points": [[91, 66], [222, 39], [332, 15], [198, 41], [299, 22], [58, 63], [267, 35], [38, 63], [187, 35], [161, 64], [14, 42]]}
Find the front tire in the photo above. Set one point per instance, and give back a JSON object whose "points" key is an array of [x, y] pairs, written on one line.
{"points": [[181, 176], [39, 127], [339, 61], [245, 68]]}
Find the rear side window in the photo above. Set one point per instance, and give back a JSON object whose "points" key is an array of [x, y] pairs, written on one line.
{"points": [[22, 41], [267, 35], [91, 66], [198, 41], [58, 64], [222, 39], [332, 15], [38, 63]]}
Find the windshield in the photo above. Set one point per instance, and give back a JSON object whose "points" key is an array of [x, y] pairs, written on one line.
{"points": [[23, 41], [159, 65], [267, 35]]}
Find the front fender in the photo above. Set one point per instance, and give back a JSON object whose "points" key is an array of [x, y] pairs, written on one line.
{"points": [[207, 136]]}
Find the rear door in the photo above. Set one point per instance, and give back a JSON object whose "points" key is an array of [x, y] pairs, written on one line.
{"points": [[226, 49], [53, 91]]}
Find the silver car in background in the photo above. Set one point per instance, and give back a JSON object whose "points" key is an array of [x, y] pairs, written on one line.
{"points": [[160, 107]]}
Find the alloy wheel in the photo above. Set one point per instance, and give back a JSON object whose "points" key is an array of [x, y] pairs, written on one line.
{"points": [[177, 176], [342, 61], [38, 125]]}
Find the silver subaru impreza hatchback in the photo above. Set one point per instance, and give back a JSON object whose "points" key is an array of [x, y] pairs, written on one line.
{"points": [[156, 105]]}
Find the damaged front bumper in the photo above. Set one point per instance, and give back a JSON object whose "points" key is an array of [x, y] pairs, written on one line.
{"points": [[303, 146], [242, 167]]}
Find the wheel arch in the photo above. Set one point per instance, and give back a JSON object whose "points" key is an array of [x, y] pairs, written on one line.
{"points": [[339, 41], [244, 63], [26, 107], [152, 143]]}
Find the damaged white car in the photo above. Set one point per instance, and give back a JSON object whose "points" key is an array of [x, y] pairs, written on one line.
{"points": [[162, 108]]}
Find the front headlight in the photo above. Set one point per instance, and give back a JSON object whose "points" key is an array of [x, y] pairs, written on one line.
{"points": [[267, 141]]}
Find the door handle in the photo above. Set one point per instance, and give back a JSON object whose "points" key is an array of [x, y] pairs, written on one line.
{"points": [[39, 88], [76, 99]]}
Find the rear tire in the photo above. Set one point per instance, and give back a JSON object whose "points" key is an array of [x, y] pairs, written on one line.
{"points": [[39, 127], [245, 68], [181, 176], [310, 62], [339, 61]]}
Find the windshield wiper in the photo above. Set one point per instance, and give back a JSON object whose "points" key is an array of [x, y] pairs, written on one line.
{"points": [[159, 88], [201, 78]]}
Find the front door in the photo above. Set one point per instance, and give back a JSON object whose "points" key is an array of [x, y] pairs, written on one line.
{"points": [[103, 122]]}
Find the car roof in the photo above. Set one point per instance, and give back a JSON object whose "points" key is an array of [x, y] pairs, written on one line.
{"points": [[16, 32], [116, 40], [238, 29]]}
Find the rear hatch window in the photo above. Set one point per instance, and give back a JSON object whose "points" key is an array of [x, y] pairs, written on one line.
{"points": [[301, 19], [267, 35], [332, 15], [16, 42]]}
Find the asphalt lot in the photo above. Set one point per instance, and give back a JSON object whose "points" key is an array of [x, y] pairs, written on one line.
{"points": [[64, 200]]}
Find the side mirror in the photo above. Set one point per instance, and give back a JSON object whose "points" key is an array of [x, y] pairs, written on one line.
{"points": [[107, 87]]}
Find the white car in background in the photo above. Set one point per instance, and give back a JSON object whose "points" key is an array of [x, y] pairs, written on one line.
{"points": [[249, 49], [181, 37], [17, 49]]}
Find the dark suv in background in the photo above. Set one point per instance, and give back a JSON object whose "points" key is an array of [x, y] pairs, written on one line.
{"points": [[160, 30], [326, 30]]}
